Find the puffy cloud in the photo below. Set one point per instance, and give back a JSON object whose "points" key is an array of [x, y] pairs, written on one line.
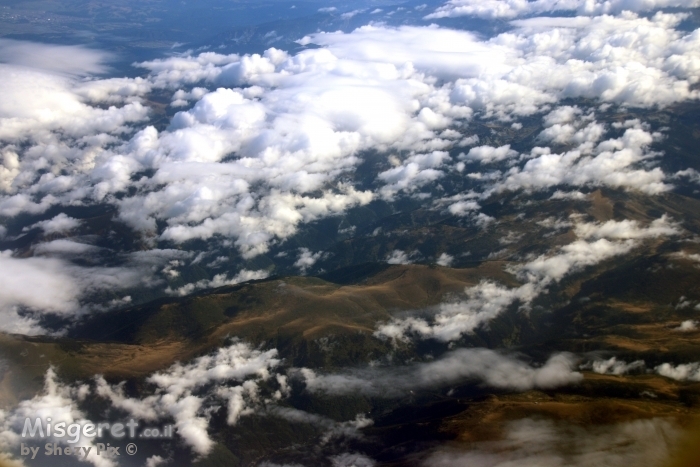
{"points": [[307, 259], [554, 223], [573, 133], [611, 163], [155, 461], [234, 369], [573, 195], [428, 49], [59, 224], [182, 98], [62, 124], [487, 300], [561, 115], [499, 97], [177, 71], [219, 280], [572, 257], [413, 173], [35, 104], [638, 70], [628, 229], [37, 283], [624, 59], [613, 366], [489, 154], [445, 260], [691, 174], [463, 208], [350, 14], [457, 367], [687, 326], [276, 215], [492, 9], [58, 403], [40, 285], [63, 247], [682, 372], [399, 257], [352, 460]]}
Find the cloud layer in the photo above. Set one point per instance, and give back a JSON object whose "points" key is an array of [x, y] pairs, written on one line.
{"points": [[483, 366], [540, 443]]}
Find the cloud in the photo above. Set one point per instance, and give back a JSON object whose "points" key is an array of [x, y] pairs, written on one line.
{"points": [[67, 59], [350, 14], [399, 257], [555, 224], [39, 285], [611, 163], [219, 280], [155, 461], [628, 229], [59, 224], [457, 367], [682, 372], [613, 366], [331, 429], [683, 303], [181, 98], [489, 154], [463, 208], [687, 326], [572, 195], [307, 259], [491, 9], [487, 300], [445, 260], [529, 442], [352, 460], [268, 149], [64, 247], [178, 391], [561, 115], [45, 108], [691, 174], [685, 255], [572, 257], [577, 132], [413, 173], [58, 403]]}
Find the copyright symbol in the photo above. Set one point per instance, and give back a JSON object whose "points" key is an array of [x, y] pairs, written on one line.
{"points": [[131, 449]]}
